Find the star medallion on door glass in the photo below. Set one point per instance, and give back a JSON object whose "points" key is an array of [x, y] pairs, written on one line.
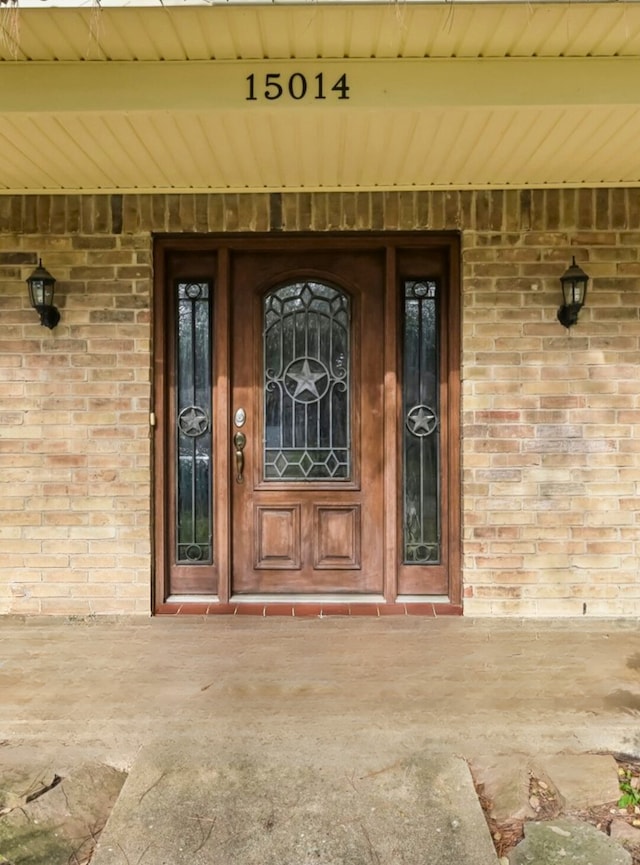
{"points": [[193, 421], [421, 420], [304, 379]]}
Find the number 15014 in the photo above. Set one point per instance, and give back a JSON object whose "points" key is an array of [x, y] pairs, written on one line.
{"points": [[274, 85]]}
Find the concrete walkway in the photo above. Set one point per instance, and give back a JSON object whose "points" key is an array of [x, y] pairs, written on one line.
{"points": [[214, 802], [320, 707]]}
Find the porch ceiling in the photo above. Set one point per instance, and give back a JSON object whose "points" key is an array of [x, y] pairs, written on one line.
{"points": [[440, 96]]}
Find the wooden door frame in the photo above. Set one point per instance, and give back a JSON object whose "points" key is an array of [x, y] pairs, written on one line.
{"points": [[448, 243]]}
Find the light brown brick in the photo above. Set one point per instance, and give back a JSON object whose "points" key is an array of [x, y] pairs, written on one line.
{"points": [[550, 446]]}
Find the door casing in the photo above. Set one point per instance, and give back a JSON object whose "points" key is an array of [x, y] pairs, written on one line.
{"points": [[402, 255]]}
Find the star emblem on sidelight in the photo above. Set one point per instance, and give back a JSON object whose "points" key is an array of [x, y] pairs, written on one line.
{"points": [[306, 378], [421, 420], [193, 421]]}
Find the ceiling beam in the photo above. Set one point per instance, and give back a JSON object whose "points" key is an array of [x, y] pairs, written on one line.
{"points": [[108, 86]]}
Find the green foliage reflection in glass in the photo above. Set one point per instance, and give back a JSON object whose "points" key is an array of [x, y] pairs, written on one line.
{"points": [[194, 515]]}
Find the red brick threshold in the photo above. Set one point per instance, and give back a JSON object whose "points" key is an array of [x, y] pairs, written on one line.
{"points": [[306, 610]]}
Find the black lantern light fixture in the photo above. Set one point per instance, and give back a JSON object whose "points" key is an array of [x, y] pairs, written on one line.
{"points": [[41, 288], [574, 292]]}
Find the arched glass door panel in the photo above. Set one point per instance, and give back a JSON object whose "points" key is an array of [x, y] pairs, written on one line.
{"points": [[306, 353]]}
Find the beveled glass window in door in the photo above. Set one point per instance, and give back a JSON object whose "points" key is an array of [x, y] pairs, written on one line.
{"points": [[306, 358], [194, 517], [421, 427]]}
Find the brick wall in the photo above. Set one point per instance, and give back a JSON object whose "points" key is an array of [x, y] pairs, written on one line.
{"points": [[74, 411], [551, 420]]}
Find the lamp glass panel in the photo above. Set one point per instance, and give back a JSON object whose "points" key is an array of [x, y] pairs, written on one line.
{"points": [[41, 291], [577, 291], [47, 292], [37, 292]]}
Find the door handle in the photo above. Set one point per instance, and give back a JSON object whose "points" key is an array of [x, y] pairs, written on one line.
{"points": [[239, 441]]}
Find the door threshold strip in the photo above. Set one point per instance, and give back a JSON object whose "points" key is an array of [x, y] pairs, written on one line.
{"points": [[309, 609]]}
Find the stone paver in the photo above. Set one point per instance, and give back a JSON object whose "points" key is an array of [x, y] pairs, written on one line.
{"points": [[505, 779], [567, 842], [60, 825], [582, 780], [212, 803], [19, 784], [625, 834], [576, 781]]}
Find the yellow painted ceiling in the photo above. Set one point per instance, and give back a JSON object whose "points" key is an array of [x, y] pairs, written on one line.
{"points": [[402, 95]]}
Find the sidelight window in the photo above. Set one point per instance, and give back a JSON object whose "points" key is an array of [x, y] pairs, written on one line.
{"points": [[421, 427], [194, 517]]}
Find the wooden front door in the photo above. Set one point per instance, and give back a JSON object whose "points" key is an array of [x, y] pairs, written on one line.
{"points": [[306, 445], [306, 401]]}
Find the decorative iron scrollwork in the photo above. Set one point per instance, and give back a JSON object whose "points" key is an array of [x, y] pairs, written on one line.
{"points": [[306, 355], [192, 552], [306, 379]]}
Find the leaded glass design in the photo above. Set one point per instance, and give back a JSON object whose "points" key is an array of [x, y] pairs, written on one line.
{"points": [[421, 429], [307, 432], [194, 517]]}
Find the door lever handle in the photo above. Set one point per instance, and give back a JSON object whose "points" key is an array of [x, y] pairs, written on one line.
{"points": [[239, 442]]}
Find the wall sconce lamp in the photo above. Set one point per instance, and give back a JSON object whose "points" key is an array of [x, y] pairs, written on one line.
{"points": [[41, 288], [574, 292]]}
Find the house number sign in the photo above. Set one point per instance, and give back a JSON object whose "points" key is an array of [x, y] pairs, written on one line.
{"points": [[295, 87]]}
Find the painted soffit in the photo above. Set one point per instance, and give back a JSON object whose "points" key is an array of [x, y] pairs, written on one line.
{"points": [[387, 96]]}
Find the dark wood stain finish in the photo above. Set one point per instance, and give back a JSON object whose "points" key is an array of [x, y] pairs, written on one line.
{"points": [[306, 542]]}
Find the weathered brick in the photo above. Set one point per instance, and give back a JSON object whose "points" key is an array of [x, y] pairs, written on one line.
{"points": [[231, 219], [246, 212], [301, 212], [187, 213]]}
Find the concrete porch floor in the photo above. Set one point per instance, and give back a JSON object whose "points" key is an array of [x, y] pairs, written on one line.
{"points": [[103, 689], [107, 686]]}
